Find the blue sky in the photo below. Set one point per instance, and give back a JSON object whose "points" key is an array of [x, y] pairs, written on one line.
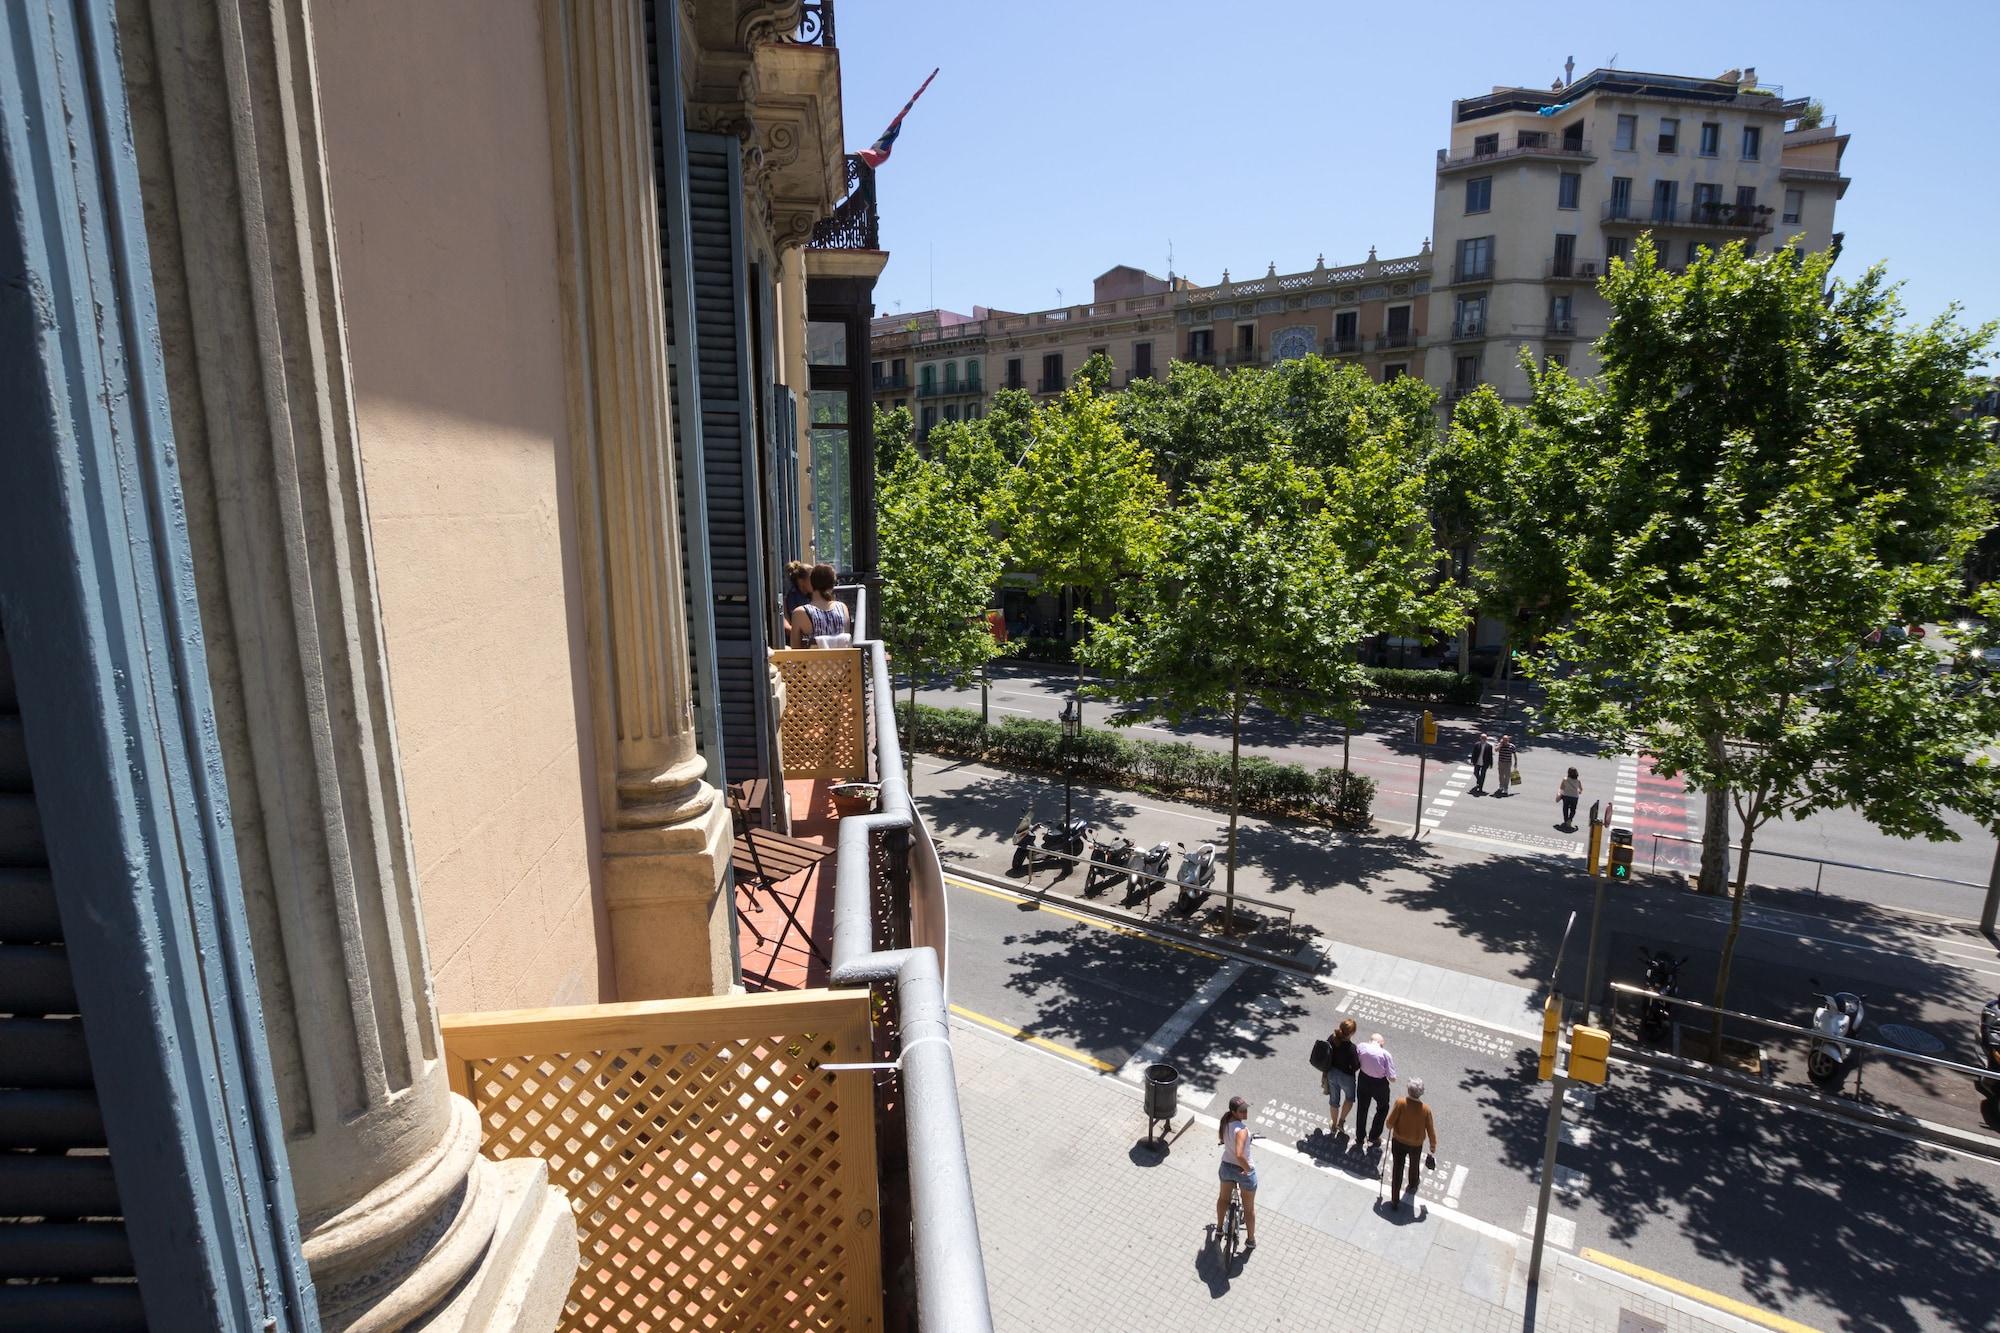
{"points": [[1063, 138]]}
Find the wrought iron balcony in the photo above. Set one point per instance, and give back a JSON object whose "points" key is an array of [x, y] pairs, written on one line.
{"points": [[1570, 267], [815, 25], [1699, 215], [1201, 356], [854, 224], [721, 1173], [1050, 384], [1245, 356], [1561, 328], [1395, 338], [1346, 346], [1135, 375], [888, 383], [1464, 273], [1469, 328]]}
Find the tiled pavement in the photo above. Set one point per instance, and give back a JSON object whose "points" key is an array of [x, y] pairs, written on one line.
{"points": [[1084, 1229]]}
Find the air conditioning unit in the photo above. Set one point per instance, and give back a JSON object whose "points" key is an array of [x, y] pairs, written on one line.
{"points": [[1587, 269]]}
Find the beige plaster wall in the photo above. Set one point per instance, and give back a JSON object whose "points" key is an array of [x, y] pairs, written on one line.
{"points": [[437, 131]]}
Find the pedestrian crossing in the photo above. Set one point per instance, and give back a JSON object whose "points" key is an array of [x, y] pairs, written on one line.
{"points": [[1453, 787]]}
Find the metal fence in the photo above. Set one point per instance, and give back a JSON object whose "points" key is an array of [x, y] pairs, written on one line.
{"points": [[1820, 862]]}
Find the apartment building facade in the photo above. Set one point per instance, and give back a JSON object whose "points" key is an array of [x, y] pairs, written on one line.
{"points": [[945, 366], [1539, 189]]}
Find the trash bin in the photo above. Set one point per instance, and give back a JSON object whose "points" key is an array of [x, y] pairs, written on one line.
{"points": [[1163, 1084]]}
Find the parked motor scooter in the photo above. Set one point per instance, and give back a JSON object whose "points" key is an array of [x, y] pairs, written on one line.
{"points": [[1152, 868], [1110, 861], [1837, 1015], [1989, 1045], [1066, 838], [1663, 978], [1197, 875]]}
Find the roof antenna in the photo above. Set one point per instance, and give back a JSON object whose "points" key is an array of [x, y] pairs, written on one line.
{"points": [[1569, 71], [1613, 62]]}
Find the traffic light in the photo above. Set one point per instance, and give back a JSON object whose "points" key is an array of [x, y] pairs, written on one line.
{"points": [[1621, 853], [1589, 1050], [1552, 1013], [1430, 728]]}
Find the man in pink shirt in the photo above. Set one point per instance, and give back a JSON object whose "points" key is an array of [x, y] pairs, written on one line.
{"points": [[1371, 1084]]}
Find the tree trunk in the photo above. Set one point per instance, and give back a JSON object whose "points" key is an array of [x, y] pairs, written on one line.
{"points": [[1500, 672], [1235, 803], [1729, 940], [1472, 617], [1715, 827], [1346, 739]]}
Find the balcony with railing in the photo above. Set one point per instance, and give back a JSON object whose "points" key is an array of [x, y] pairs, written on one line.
{"points": [[1136, 375], [1201, 356], [789, 1158], [1349, 345], [854, 224], [1547, 147], [1050, 384], [891, 383], [1394, 338], [1240, 355], [1468, 326], [1569, 268], [1560, 328], [1700, 215], [1463, 273]]}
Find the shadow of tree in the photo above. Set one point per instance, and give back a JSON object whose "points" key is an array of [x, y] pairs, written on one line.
{"points": [[1905, 1231]]}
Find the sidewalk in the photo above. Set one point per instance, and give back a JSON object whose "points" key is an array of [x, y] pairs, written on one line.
{"points": [[1086, 1227]]}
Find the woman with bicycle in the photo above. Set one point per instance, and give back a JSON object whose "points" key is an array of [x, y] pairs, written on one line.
{"points": [[1234, 1136]]}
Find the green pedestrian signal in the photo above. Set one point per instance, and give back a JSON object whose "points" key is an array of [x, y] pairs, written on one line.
{"points": [[1621, 853]]}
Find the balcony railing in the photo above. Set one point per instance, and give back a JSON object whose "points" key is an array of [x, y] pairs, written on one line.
{"points": [[948, 389], [1347, 346], [1571, 151], [1201, 356], [1697, 215], [1245, 356], [1468, 328], [1464, 273], [854, 224], [1395, 338], [1050, 384], [1136, 375], [815, 25], [1560, 328], [888, 383], [721, 1174], [1569, 266]]}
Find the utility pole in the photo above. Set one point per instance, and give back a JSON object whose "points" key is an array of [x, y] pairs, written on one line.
{"points": [[1427, 734]]}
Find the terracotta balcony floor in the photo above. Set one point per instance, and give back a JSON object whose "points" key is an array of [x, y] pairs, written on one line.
{"points": [[782, 959]]}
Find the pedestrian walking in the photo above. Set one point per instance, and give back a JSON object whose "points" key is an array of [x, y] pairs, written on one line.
{"points": [[1338, 1079], [1375, 1071], [1568, 793], [1482, 759], [1505, 758], [1234, 1136], [1410, 1124]]}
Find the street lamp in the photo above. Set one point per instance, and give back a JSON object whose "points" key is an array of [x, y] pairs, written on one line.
{"points": [[1072, 727]]}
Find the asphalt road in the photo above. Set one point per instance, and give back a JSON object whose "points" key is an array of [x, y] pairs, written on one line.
{"points": [[1386, 750], [1826, 1222]]}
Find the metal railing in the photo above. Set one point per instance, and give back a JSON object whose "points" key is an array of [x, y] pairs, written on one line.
{"points": [[1572, 267], [1046, 384], [1245, 356], [1347, 346], [1561, 328], [1820, 861], [883, 383], [1580, 151], [1969, 1071], [855, 225], [1700, 213], [950, 1271], [1396, 338], [1463, 273], [1133, 872], [1468, 328], [1201, 356]]}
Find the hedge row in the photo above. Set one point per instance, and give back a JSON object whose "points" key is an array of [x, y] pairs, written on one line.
{"points": [[1423, 687], [1172, 767]]}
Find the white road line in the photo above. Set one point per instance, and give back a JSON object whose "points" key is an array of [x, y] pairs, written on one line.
{"points": [[1451, 1192], [1561, 1232], [1575, 1135], [1162, 1042]]}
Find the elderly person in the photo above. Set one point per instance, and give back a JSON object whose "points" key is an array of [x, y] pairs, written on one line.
{"points": [[1410, 1124], [1375, 1072]]}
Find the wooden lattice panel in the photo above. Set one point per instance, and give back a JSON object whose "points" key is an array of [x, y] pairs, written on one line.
{"points": [[720, 1180], [824, 732]]}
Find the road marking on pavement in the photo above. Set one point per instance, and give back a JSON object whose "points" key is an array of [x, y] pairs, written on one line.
{"points": [[1162, 1042], [1713, 1299], [1012, 897], [1575, 1136], [1022, 1035], [1561, 1232], [1451, 1192]]}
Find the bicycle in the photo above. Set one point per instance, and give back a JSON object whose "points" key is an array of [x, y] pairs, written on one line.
{"points": [[1232, 1219]]}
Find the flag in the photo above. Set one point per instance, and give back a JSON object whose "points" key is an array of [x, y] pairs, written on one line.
{"points": [[878, 152]]}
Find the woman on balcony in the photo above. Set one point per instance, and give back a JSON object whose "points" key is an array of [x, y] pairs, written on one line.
{"points": [[822, 622]]}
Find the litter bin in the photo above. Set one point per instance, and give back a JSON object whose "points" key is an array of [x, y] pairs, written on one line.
{"points": [[1163, 1083]]}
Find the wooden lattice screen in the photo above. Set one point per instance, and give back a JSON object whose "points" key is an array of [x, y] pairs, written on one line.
{"points": [[720, 1180], [824, 731]]}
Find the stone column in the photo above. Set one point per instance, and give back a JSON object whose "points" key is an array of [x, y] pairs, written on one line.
{"points": [[402, 1219], [666, 833]]}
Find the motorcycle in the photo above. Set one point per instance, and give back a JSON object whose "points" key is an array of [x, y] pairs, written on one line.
{"points": [[1663, 978], [1068, 839], [1152, 868], [1838, 1015], [1197, 875], [1989, 1042], [1110, 861]]}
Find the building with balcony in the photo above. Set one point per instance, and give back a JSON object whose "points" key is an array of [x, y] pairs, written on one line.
{"points": [[1373, 313], [402, 785], [1539, 189]]}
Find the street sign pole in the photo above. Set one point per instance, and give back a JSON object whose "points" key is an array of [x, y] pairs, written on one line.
{"points": [[1556, 1086], [1992, 907], [1590, 958], [1417, 820]]}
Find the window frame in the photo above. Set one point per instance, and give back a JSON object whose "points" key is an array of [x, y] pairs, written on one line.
{"points": [[1709, 143], [1625, 135], [1486, 196], [1569, 183], [1752, 143], [1669, 141]]}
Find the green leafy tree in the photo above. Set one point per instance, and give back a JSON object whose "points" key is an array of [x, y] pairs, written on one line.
{"points": [[1250, 603], [1773, 472], [894, 436], [1082, 509], [938, 568]]}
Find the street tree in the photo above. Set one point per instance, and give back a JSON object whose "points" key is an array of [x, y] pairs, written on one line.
{"points": [[938, 574], [1083, 507], [894, 436], [1250, 602], [1775, 473]]}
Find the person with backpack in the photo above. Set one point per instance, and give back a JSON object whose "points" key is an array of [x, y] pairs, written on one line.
{"points": [[1337, 1079], [1410, 1123]]}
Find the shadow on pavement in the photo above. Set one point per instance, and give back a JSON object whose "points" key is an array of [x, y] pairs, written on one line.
{"points": [[1763, 1202]]}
